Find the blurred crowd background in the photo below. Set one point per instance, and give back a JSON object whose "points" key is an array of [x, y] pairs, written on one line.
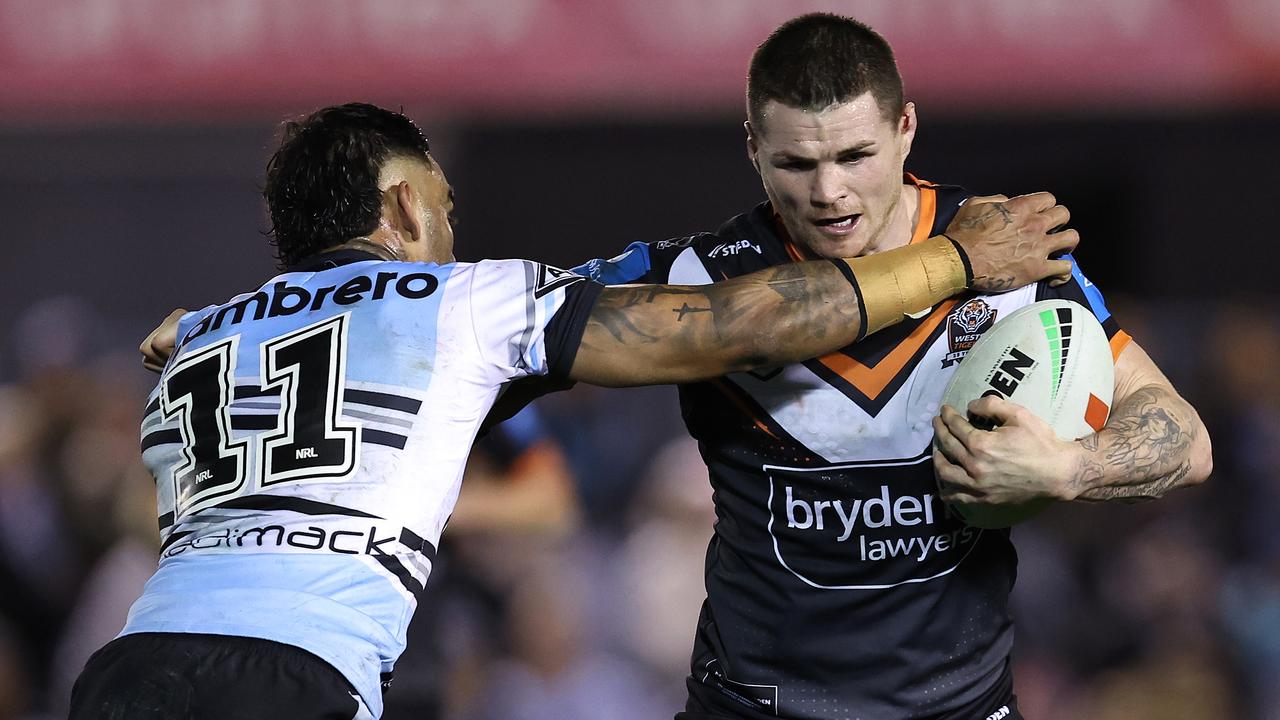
{"points": [[133, 134]]}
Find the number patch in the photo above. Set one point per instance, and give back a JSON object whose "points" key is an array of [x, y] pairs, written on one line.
{"points": [[199, 391], [309, 441], [312, 442]]}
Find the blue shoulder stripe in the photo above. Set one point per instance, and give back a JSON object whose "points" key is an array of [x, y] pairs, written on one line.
{"points": [[1091, 291], [628, 267]]}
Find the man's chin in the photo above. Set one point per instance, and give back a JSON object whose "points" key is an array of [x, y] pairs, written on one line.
{"points": [[832, 248]]}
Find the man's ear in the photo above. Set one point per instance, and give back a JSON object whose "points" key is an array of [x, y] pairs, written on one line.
{"points": [[403, 202], [753, 150], [907, 125]]}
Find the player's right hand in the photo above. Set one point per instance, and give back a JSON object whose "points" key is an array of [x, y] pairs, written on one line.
{"points": [[159, 345], [1009, 241]]}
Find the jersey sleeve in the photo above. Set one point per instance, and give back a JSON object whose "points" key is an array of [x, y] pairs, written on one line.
{"points": [[640, 263], [1082, 290], [528, 317]]}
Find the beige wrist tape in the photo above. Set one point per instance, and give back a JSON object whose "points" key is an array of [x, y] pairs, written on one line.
{"points": [[906, 280]]}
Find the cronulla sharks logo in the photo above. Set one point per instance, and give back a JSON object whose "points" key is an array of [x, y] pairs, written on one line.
{"points": [[864, 527], [966, 324]]}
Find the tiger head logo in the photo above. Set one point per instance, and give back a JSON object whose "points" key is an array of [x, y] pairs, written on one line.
{"points": [[968, 323], [973, 315]]}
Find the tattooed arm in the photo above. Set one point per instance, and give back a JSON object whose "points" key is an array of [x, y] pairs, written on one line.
{"points": [[1153, 442], [653, 334]]}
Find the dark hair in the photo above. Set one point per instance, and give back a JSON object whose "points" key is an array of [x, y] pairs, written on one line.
{"points": [[322, 183], [819, 59]]}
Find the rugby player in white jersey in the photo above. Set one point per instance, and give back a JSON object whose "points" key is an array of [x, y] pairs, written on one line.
{"points": [[308, 437], [838, 584]]}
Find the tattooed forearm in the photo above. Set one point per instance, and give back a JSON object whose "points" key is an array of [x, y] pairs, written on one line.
{"points": [[1141, 491], [618, 323], [613, 311], [684, 309], [788, 281], [644, 334], [1144, 450]]}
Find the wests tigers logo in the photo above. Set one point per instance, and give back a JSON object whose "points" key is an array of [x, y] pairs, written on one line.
{"points": [[966, 324]]}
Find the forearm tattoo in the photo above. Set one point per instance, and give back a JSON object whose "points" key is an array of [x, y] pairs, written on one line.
{"points": [[613, 310], [788, 281], [773, 313], [685, 309], [1142, 453]]}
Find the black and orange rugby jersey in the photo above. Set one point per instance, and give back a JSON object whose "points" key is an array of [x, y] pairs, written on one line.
{"points": [[838, 585]]}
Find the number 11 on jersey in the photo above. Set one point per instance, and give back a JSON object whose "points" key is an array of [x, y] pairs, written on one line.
{"points": [[309, 440]]}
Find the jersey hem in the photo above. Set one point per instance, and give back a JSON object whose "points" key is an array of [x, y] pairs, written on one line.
{"points": [[371, 695], [365, 680]]}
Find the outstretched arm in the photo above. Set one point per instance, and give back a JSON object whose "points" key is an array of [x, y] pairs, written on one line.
{"points": [[653, 334], [650, 334]]}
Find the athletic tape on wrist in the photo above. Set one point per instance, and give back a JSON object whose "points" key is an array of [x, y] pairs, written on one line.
{"points": [[907, 280], [964, 258], [857, 290]]}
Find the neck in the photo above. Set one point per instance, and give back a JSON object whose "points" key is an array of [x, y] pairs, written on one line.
{"points": [[902, 223], [383, 251]]}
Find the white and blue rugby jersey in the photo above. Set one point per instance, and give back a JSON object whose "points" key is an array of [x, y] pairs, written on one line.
{"points": [[308, 442]]}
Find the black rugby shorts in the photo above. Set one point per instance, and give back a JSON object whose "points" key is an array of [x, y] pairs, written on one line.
{"points": [[182, 676]]}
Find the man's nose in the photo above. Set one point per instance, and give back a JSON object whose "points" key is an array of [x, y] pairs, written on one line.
{"points": [[827, 186]]}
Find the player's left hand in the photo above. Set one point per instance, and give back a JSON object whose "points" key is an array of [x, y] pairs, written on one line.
{"points": [[159, 345], [1018, 461]]}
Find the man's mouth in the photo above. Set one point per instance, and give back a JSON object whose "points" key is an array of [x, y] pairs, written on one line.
{"points": [[840, 225]]}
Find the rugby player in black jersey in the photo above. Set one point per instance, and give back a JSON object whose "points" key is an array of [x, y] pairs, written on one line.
{"points": [[838, 584]]}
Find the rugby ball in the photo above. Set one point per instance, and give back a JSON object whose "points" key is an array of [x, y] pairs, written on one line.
{"points": [[1051, 357]]}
